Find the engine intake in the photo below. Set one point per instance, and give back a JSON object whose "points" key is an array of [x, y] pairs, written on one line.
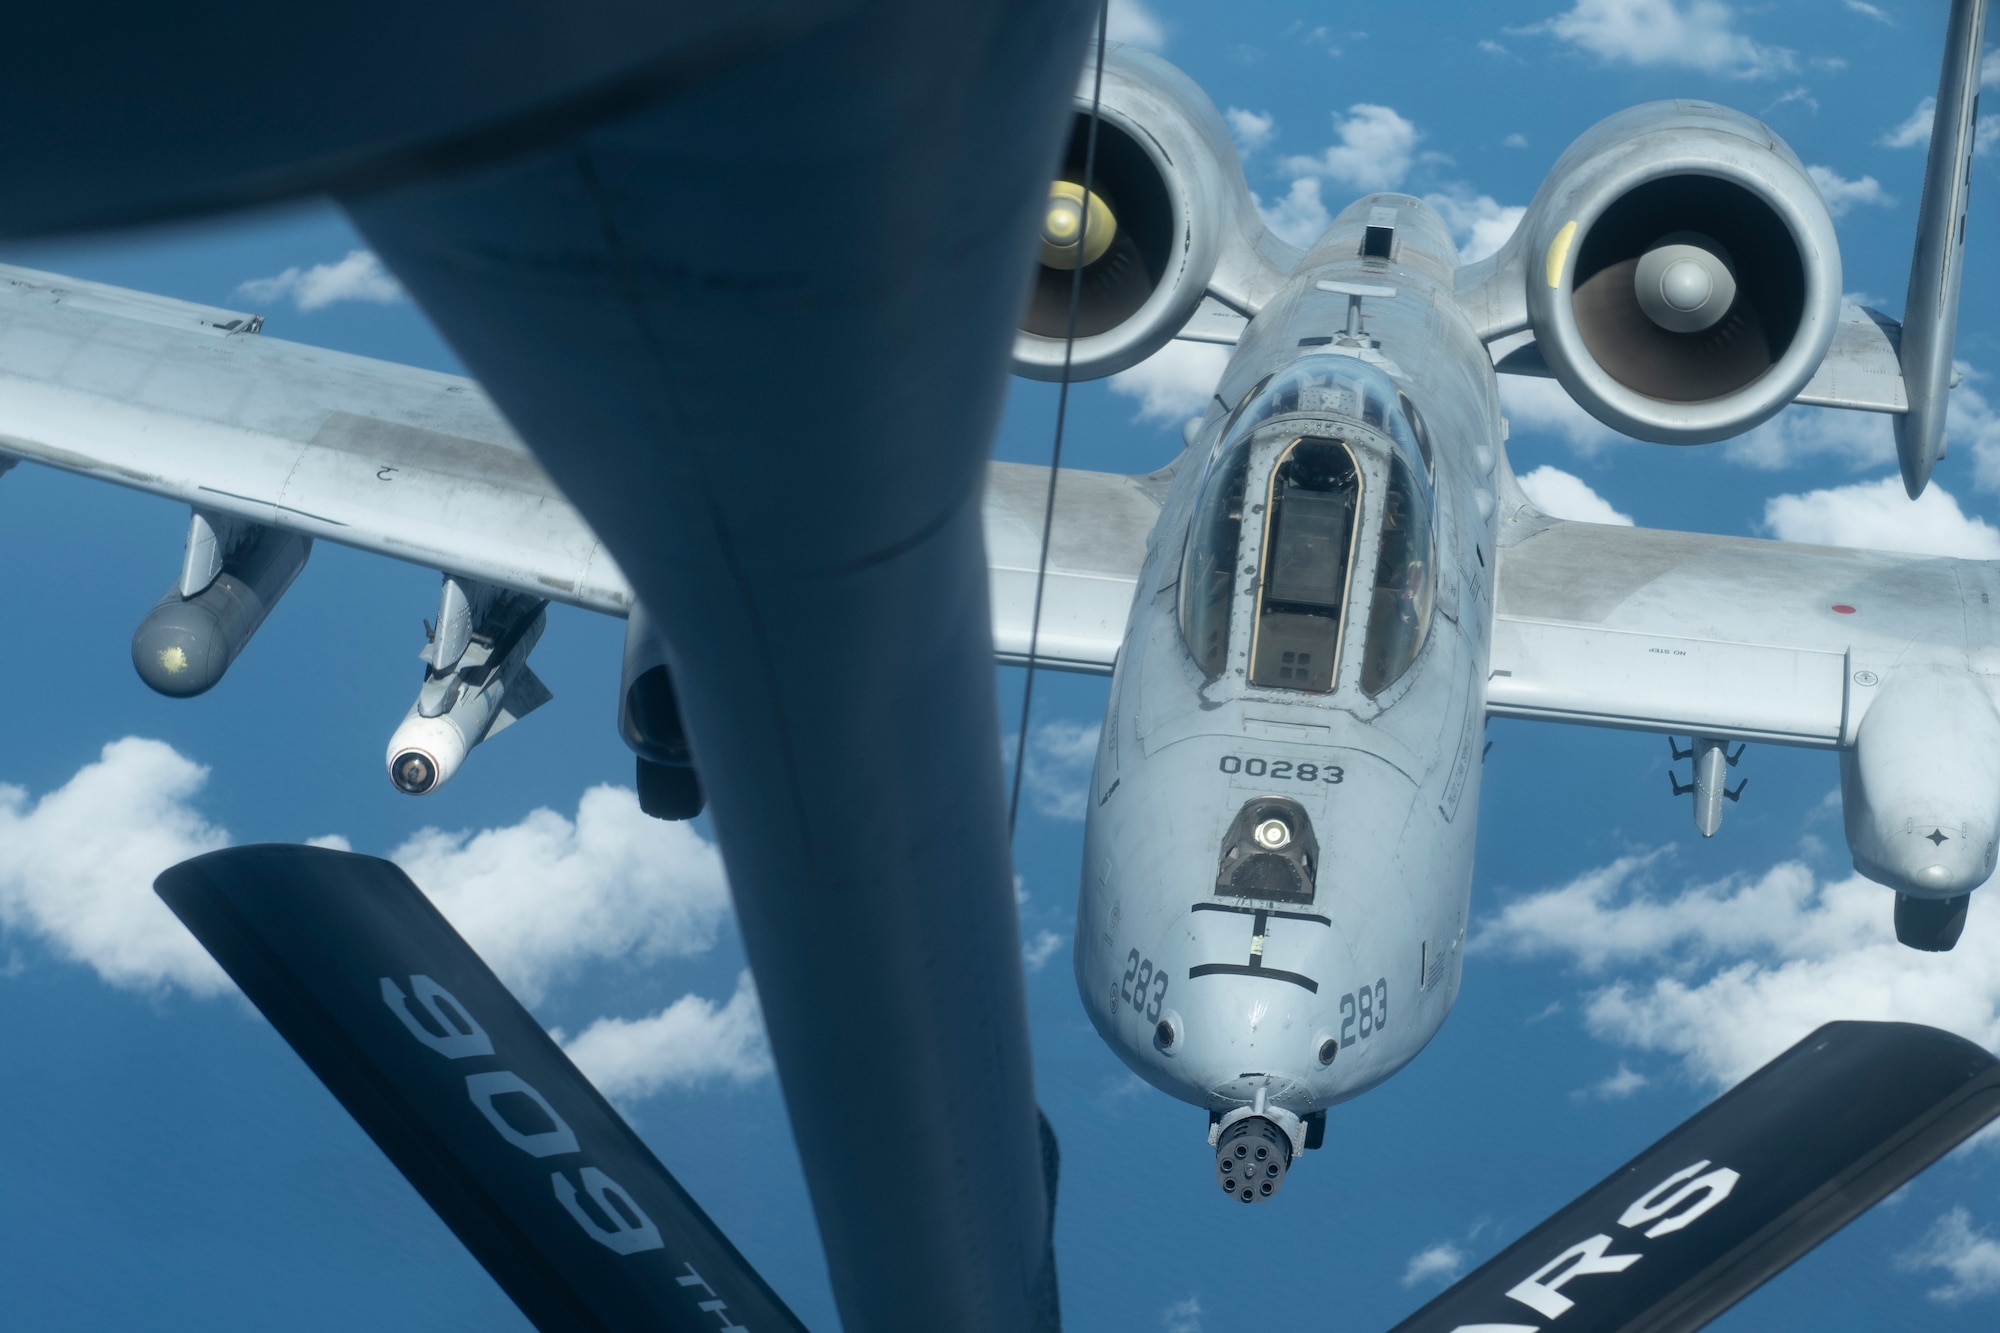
{"points": [[1168, 218], [1683, 279]]}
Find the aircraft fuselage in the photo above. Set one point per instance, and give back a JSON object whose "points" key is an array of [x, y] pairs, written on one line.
{"points": [[1278, 854]]}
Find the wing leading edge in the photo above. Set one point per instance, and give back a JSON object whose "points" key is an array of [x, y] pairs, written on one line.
{"points": [[1720, 636], [181, 400]]}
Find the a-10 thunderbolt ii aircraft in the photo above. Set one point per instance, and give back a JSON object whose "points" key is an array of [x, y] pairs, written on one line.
{"points": [[1307, 617]]}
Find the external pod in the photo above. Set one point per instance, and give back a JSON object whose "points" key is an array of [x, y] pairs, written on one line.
{"points": [[1920, 790], [649, 722], [190, 638], [1170, 221], [1681, 273]]}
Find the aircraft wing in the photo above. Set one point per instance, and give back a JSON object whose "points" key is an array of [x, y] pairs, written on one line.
{"points": [[190, 402], [1721, 636]]}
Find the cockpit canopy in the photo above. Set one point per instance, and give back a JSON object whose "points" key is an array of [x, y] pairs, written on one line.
{"points": [[1290, 510]]}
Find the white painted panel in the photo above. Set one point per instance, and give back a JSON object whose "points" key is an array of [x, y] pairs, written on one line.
{"points": [[1663, 683]]}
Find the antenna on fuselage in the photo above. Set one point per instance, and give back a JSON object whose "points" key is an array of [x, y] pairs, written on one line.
{"points": [[1354, 291]]}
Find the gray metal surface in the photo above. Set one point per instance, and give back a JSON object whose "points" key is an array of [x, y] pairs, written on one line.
{"points": [[1930, 310], [778, 425]]}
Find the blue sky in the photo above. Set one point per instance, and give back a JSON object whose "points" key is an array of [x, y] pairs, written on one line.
{"points": [[174, 1166]]}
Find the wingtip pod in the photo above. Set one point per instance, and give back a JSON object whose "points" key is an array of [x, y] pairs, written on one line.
{"points": [[547, 1187], [1930, 312], [1752, 1182]]}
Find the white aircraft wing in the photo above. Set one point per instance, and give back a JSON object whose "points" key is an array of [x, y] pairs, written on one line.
{"points": [[190, 402], [1721, 636]]}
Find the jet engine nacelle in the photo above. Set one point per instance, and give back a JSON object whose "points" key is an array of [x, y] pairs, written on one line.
{"points": [[232, 575], [649, 721], [1920, 789], [1169, 219], [1681, 273]]}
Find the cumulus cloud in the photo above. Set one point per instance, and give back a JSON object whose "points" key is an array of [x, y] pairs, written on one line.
{"points": [[543, 898], [1842, 194], [1542, 406], [1059, 760], [1723, 976], [1515, 141], [540, 900], [77, 866], [1182, 1316], [1374, 152], [691, 1042], [1479, 224], [1617, 1087], [1561, 495], [1700, 34], [1301, 216], [1954, 1246], [359, 277], [1799, 434], [1253, 129], [1036, 953], [1131, 21], [1175, 382], [1972, 421], [1880, 516], [1441, 1263], [1915, 132], [1863, 7]]}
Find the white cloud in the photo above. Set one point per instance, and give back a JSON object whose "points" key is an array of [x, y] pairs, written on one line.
{"points": [[1300, 217], [1972, 421], [1479, 224], [1036, 953], [1617, 1087], [1131, 21], [1441, 1263], [1175, 382], [1697, 35], [77, 866], [1880, 516], [1954, 1246], [1915, 132], [542, 898], [1725, 975], [1059, 760], [1561, 495], [690, 1042], [1491, 47], [1989, 69], [1863, 7], [1859, 439], [539, 900], [1253, 129], [1842, 194], [1374, 153], [1182, 1316], [359, 277], [1542, 406], [1515, 141]]}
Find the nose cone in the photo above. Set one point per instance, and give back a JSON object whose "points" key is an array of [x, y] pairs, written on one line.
{"points": [[179, 649]]}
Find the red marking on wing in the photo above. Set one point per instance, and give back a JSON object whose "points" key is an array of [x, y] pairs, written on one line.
{"points": [[1843, 608]]}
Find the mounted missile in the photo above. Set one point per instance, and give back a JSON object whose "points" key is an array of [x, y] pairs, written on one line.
{"points": [[649, 720], [1709, 784], [232, 573], [476, 681]]}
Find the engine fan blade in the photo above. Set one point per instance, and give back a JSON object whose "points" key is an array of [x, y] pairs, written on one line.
{"points": [[1660, 363], [547, 1186], [1720, 1205]]}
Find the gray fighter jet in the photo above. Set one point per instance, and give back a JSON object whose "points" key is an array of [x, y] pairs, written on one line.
{"points": [[1307, 618]]}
